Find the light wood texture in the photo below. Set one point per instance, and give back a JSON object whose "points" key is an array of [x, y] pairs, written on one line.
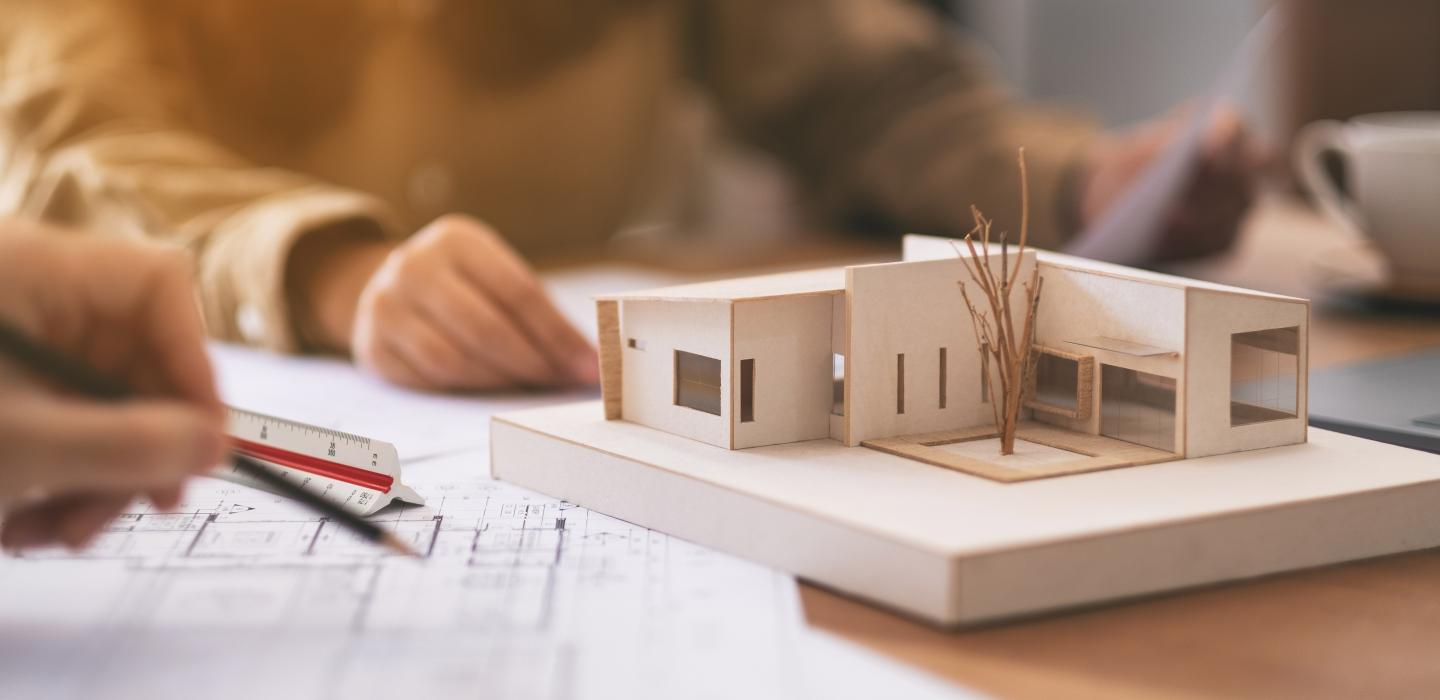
{"points": [[1084, 387], [839, 345], [1367, 629], [1211, 318], [1093, 452], [1125, 347], [932, 248], [1115, 302], [914, 308], [607, 316], [648, 374], [789, 338]]}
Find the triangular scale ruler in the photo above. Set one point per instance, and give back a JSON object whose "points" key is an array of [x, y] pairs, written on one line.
{"points": [[359, 473]]}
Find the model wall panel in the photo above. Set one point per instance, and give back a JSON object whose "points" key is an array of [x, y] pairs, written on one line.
{"points": [[915, 308], [839, 332], [1212, 318], [658, 329], [790, 341], [1080, 304]]}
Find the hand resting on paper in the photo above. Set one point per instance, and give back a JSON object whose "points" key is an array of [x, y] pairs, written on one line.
{"points": [[452, 308], [1207, 217], [71, 463]]}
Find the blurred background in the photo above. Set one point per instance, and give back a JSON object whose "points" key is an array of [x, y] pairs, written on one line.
{"points": [[1125, 61], [1084, 53], [1338, 59]]}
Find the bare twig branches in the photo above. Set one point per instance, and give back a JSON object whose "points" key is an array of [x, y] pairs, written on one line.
{"points": [[995, 334]]}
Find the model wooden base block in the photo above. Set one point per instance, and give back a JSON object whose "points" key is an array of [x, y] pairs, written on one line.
{"points": [[952, 548]]}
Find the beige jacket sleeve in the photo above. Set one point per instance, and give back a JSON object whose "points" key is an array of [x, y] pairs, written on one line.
{"points": [[886, 116], [90, 137]]}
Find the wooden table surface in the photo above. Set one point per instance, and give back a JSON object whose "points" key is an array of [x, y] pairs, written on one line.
{"points": [[1366, 629]]}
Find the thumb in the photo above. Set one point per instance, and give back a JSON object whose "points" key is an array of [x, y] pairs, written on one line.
{"points": [[63, 444]]}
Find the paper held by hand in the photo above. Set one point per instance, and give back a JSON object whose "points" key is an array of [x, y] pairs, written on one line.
{"points": [[1129, 231]]}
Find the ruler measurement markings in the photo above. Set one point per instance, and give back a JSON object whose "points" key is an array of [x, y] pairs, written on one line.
{"points": [[343, 467], [293, 426]]}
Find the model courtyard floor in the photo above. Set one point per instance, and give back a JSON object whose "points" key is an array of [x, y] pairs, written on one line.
{"points": [[1041, 451]]}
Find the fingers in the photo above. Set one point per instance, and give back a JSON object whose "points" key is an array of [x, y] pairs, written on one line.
{"points": [[437, 359], [60, 445], [124, 306], [72, 520], [401, 343], [484, 333], [131, 310], [1226, 129], [1209, 218], [167, 498], [455, 308], [1231, 147], [494, 267], [386, 361], [176, 336]]}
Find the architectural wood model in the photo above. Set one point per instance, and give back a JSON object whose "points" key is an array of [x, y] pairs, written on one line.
{"points": [[1130, 367]]}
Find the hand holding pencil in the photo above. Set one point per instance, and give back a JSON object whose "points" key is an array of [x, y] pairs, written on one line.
{"points": [[70, 463]]}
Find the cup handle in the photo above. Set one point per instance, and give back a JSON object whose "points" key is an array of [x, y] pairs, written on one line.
{"points": [[1311, 144]]}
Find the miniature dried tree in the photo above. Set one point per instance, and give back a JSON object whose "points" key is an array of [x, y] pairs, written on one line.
{"points": [[1011, 363]]}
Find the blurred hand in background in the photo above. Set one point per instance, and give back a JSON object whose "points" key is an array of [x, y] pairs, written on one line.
{"points": [[1207, 216], [290, 147], [451, 308], [71, 463]]}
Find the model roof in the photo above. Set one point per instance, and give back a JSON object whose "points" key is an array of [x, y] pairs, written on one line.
{"points": [[828, 280], [831, 280], [918, 247]]}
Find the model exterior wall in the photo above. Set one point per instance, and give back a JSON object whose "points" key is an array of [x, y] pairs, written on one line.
{"points": [[1212, 317], [648, 375], [914, 308], [789, 339], [1080, 304], [839, 332]]}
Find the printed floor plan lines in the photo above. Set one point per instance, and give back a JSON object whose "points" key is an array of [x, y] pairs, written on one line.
{"points": [[523, 593]]}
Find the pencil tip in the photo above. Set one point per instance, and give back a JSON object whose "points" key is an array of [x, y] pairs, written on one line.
{"points": [[398, 546]]}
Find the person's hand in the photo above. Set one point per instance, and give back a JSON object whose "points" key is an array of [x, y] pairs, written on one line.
{"points": [[452, 308], [70, 463], [1207, 216]]}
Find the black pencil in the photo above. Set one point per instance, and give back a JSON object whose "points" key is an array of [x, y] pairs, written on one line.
{"points": [[76, 376]]}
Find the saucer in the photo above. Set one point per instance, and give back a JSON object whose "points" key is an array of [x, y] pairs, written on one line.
{"points": [[1357, 270]]}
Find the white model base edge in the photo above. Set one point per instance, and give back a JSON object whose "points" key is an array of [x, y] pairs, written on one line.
{"points": [[954, 549]]}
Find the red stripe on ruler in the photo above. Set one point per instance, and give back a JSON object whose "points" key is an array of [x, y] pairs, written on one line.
{"points": [[363, 478]]}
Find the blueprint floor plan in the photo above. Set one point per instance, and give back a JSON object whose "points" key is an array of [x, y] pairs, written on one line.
{"points": [[518, 596], [238, 593]]}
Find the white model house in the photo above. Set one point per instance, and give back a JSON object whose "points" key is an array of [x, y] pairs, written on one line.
{"points": [[885, 355], [719, 424]]}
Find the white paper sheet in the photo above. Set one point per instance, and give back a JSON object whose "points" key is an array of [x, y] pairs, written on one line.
{"points": [[574, 290], [328, 392], [1129, 231], [240, 594]]}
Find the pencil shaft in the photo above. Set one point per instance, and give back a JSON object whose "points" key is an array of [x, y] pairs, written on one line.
{"points": [[316, 502], [70, 373]]}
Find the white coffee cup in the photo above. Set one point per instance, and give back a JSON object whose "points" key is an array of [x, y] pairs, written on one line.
{"points": [[1392, 173]]}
